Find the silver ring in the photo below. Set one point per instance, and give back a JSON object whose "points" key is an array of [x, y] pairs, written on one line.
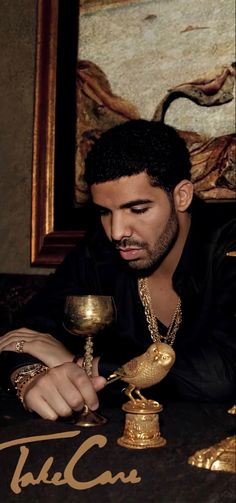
{"points": [[19, 346]]}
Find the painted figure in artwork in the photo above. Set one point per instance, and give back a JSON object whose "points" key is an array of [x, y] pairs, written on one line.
{"points": [[98, 109], [213, 158]]}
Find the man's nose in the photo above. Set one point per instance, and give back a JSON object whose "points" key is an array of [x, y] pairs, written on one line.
{"points": [[120, 228]]}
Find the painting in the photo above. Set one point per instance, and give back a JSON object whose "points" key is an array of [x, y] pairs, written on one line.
{"points": [[111, 60], [169, 61]]}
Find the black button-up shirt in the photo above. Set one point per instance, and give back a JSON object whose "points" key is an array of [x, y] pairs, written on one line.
{"points": [[205, 279]]}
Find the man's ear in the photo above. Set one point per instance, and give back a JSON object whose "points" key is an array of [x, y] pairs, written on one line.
{"points": [[183, 195]]}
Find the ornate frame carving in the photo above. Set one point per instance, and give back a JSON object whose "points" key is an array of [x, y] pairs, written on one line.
{"points": [[51, 239]]}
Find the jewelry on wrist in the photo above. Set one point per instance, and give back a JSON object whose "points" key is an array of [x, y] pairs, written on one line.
{"points": [[22, 370], [25, 376]]}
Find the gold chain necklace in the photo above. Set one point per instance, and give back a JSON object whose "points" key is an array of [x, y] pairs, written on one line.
{"points": [[151, 319]]}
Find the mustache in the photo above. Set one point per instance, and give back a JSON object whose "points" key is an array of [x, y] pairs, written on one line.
{"points": [[127, 243]]}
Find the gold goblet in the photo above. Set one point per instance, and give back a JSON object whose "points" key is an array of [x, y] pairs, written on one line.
{"points": [[86, 315]]}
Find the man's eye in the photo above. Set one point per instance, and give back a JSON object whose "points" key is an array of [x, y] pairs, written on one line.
{"points": [[139, 210], [102, 212]]}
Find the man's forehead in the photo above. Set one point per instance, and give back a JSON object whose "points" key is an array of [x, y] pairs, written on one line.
{"points": [[138, 177], [126, 188], [121, 199]]}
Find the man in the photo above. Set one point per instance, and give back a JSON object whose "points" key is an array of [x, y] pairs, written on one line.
{"points": [[169, 269]]}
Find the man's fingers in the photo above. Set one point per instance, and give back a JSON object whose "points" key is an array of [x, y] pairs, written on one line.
{"points": [[73, 389], [42, 346], [61, 390], [47, 401], [87, 391], [99, 382], [43, 409], [9, 340]]}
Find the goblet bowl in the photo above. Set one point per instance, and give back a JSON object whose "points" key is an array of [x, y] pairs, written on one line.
{"points": [[88, 314]]}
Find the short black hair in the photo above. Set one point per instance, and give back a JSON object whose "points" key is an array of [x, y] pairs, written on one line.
{"points": [[136, 146]]}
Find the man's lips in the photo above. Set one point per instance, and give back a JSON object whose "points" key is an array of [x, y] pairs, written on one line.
{"points": [[129, 253]]}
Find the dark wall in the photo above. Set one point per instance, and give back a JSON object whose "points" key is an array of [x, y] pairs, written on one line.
{"points": [[17, 51]]}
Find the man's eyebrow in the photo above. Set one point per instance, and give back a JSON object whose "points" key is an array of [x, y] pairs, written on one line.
{"points": [[129, 204], [135, 202], [99, 207]]}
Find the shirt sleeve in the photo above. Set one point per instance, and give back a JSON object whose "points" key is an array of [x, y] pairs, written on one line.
{"points": [[205, 367]]}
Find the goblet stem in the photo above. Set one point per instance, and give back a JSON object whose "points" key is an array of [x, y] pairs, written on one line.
{"points": [[88, 355], [86, 315]]}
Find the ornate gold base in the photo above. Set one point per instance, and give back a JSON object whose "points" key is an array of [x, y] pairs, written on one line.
{"points": [[141, 425], [88, 418], [218, 457]]}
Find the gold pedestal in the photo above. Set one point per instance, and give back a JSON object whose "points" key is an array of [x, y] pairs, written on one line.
{"points": [[219, 457], [142, 429]]}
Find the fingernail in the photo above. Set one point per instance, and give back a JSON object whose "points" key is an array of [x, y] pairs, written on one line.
{"points": [[94, 407]]}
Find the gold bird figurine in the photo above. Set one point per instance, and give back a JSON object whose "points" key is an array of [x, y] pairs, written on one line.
{"points": [[145, 370]]}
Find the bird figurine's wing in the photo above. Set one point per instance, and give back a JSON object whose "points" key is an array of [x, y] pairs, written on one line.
{"points": [[131, 368], [128, 370]]}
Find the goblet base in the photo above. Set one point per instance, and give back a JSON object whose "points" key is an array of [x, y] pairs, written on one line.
{"points": [[88, 418]]}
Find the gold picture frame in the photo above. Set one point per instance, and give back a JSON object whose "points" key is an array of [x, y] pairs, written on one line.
{"points": [[52, 236], [56, 224]]}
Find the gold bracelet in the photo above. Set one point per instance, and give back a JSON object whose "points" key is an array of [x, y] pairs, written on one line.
{"points": [[25, 376], [22, 371]]}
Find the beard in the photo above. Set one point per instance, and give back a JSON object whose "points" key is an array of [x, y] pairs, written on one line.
{"points": [[161, 248]]}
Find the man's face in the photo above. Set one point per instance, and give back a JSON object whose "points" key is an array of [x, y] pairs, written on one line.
{"points": [[138, 218]]}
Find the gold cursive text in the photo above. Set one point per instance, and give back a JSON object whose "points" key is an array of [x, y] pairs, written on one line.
{"points": [[21, 480]]}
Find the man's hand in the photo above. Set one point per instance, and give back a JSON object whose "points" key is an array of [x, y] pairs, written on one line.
{"points": [[62, 390], [42, 346], [65, 387]]}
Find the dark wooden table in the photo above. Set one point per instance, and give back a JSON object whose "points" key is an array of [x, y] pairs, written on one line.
{"points": [[33, 451]]}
